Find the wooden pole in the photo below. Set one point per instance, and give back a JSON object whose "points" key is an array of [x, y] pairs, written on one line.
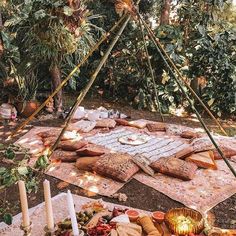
{"points": [[152, 35], [151, 71], [102, 39], [90, 83], [193, 107]]}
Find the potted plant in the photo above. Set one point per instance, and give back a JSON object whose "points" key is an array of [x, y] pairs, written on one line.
{"points": [[25, 101]]}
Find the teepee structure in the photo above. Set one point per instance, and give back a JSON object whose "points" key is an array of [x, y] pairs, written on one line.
{"points": [[129, 11]]}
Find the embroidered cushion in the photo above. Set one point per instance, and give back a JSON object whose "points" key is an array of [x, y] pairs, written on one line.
{"points": [[175, 167], [116, 166], [64, 156]]}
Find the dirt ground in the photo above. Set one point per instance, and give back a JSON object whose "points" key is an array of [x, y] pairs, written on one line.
{"points": [[139, 195]]}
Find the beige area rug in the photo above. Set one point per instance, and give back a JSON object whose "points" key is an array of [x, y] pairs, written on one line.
{"points": [[32, 141], [37, 215], [86, 180], [206, 190], [67, 171]]}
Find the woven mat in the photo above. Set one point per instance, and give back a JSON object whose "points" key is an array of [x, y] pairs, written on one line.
{"points": [[155, 148], [206, 190], [37, 215]]}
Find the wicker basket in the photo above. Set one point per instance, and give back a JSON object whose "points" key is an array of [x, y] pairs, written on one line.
{"points": [[183, 221]]}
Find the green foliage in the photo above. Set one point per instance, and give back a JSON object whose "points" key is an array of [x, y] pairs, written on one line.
{"points": [[126, 74], [42, 162], [214, 58], [7, 218], [51, 32], [199, 39], [16, 168]]}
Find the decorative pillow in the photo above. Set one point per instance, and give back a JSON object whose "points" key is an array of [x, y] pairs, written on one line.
{"points": [[187, 150], [228, 152], [189, 134], [175, 167], [117, 166], [122, 122], [157, 126], [87, 163], [92, 150], [64, 156], [49, 133], [72, 145], [140, 124], [49, 141], [203, 160], [226, 144], [82, 126], [202, 144], [105, 123], [68, 135]]}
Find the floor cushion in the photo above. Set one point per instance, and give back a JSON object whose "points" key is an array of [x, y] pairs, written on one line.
{"points": [[72, 145], [157, 126], [203, 160], [87, 163], [117, 166], [122, 122], [105, 123], [189, 134], [227, 151], [175, 167], [64, 156], [92, 150], [84, 126]]}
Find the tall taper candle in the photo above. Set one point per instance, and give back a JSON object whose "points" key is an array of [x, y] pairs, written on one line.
{"points": [[24, 204], [48, 204], [72, 214]]}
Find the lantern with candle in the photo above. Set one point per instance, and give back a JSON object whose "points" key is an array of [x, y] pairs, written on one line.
{"points": [[183, 221]]}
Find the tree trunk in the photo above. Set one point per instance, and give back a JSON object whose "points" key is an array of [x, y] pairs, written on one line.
{"points": [[165, 13], [164, 20], [1, 42], [56, 80]]}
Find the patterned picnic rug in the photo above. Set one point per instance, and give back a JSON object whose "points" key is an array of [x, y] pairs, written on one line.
{"points": [[206, 190]]}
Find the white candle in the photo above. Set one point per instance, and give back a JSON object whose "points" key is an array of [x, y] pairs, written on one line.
{"points": [[48, 205], [24, 204], [71, 208]]}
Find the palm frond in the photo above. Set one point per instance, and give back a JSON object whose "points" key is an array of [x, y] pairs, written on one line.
{"points": [[123, 6]]}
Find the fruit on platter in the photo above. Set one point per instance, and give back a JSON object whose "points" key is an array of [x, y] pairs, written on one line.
{"points": [[158, 216], [132, 214]]}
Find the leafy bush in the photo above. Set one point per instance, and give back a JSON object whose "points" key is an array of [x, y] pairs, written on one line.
{"points": [[214, 58], [199, 39]]}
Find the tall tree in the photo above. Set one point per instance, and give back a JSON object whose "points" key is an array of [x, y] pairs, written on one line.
{"points": [[165, 12], [56, 33]]}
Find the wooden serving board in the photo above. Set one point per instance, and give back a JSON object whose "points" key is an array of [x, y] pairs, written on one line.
{"points": [[59, 203]]}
